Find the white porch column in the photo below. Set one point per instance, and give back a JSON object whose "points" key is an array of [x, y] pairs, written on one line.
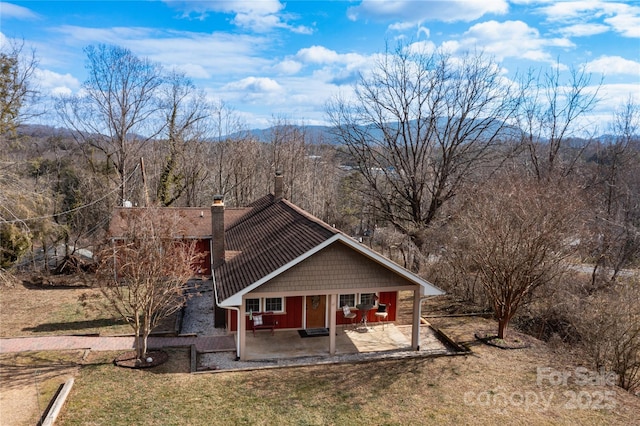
{"points": [[415, 330], [332, 323], [242, 331]]}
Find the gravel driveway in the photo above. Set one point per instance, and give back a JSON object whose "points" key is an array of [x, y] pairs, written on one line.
{"points": [[198, 314]]}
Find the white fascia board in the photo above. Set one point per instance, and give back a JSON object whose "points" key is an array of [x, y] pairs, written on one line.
{"points": [[427, 289]]}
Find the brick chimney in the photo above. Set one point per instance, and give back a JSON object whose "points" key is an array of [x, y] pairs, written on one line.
{"points": [[278, 190], [217, 230]]}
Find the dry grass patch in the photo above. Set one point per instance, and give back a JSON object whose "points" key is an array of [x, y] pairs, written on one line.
{"points": [[482, 388], [29, 310], [61, 309], [29, 381]]}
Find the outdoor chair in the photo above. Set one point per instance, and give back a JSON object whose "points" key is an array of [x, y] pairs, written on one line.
{"points": [[348, 315], [382, 314]]}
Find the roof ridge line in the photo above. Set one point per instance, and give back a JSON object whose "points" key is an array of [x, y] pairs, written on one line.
{"points": [[308, 215]]}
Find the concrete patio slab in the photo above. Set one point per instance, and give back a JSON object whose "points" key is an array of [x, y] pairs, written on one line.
{"points": [[289, 344]]}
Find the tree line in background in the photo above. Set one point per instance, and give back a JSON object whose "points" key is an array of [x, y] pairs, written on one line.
{"points": [[487, 187]]}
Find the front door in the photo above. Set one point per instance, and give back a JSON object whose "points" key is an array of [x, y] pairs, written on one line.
{"points": [[316, 307]]}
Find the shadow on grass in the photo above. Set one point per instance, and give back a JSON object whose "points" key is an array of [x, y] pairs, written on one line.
{"points": [[36, 286], [76, 325], [28, 368]]}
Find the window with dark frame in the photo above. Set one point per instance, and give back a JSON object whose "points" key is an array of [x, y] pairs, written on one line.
{"points": [[367, 298], [347, 299], [273, 304], [252, 305]]}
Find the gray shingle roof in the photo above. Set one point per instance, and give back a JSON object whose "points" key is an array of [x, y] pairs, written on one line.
{"points": [[271, 234]]}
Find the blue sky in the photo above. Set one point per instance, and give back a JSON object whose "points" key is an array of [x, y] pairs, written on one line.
{"points": [[269, 59]]}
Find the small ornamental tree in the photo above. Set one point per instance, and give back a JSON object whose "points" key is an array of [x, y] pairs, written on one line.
{"points": [[514, 236], [144, 275]]}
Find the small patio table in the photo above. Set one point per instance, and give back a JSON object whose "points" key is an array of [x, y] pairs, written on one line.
{"points": [[364, 310]]}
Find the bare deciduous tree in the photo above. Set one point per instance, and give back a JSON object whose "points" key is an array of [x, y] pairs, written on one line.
{"points": [[144, 274], [116, 113], [550, 114], [615, 234], [288, 153], [513, 236], [185, 112], [420, 125]]}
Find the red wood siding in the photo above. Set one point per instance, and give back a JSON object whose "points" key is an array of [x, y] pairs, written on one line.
{"points": [[291, 318], [390, 298], [232, 320]]}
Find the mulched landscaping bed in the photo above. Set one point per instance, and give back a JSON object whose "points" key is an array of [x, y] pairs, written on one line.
{"points": [[128, 359], [514, 340]]}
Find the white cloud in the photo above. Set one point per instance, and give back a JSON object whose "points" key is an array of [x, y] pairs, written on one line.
{"points": [[514, 39], [110, 35], [318, 55], [404, 26], [259, 16], [401, 26], [192, 70], [431, 10], [322, 55], [422, 47], [255, 85], [200, 55], [217, 54], [56, 84], [9, 10], [609, 65], [621, 17], [288, 66], [263, 7], [583, 30], [611, 98], [264, 23], [626, 24], [332, 67]]}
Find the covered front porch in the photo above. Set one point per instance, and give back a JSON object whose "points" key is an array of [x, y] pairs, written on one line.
{"points": [[342, 338], [285, 344]]}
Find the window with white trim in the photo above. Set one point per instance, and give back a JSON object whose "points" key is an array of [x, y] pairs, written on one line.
{"points": [[347, 299], [367, 298], [252, 305], [274, 304]]}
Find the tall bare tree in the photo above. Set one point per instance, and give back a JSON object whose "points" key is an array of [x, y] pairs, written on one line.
{"points": [[288, 153], [551, 114], [236, 158], [116, 115], [420, 125], [615, 234], [144, 274], [185, 111]]}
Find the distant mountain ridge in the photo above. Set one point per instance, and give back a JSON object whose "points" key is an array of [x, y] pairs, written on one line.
{"points": [[315, 134]]}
